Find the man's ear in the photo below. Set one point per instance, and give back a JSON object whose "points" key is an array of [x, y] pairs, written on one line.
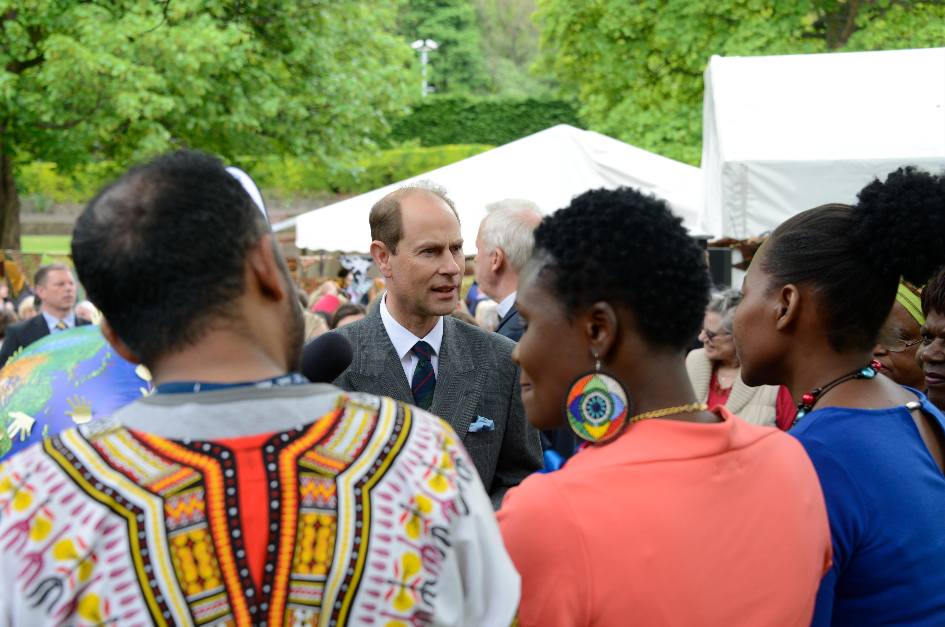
{"points": [[264, 267], [790, 304], [381, 255], [497, 259], [116, 342]]}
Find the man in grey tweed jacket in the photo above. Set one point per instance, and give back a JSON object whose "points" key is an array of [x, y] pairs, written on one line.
{"points": [[418, 248]]}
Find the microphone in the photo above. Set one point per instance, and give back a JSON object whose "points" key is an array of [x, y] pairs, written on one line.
{"points": [[326, 357]]}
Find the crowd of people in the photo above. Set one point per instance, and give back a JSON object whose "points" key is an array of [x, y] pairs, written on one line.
{"points": [[571, 461]]}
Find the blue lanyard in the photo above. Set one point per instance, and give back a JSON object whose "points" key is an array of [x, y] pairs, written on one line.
{"points": [[193, 387]]}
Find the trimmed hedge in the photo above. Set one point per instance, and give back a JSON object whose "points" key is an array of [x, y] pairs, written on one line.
{"points": [[42, 184], [390, 166], [458, 120], [293, 176]]}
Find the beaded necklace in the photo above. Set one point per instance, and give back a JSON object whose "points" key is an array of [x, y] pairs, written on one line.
{"points": [[810, 399]]}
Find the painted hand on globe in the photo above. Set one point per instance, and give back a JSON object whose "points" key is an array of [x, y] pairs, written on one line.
{"points": [[79, 410]]}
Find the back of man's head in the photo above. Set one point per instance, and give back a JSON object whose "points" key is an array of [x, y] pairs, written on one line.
{"points": [[510, 225], [162, 251]]}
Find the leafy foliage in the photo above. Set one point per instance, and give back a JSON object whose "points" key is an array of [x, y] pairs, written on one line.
{"points": [[456, 67], [124, 79], [481, 121], [510, 48], [637, 67]]}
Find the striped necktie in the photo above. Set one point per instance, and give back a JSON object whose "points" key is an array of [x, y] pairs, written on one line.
{"points": [[61, 325], [424, 379]]}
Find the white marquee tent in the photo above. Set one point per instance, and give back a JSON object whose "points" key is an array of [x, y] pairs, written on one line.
{"points": [[784, 134], [549, 168]]}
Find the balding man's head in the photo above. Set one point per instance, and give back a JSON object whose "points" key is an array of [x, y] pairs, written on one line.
{"points": [[385, 219]]}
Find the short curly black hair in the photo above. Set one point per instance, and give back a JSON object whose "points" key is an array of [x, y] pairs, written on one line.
{"points": [[162, 251], [627, 248], [854, 256]]}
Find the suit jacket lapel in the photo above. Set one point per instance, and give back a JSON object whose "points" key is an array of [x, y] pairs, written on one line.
{"points": [[378, 359], [39, 329], [505, 319], [453, 379]]}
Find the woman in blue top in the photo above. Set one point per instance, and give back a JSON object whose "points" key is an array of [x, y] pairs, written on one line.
{"points": [[815, 298]]}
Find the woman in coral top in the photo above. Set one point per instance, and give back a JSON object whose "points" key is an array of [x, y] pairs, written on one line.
{"points": [[673, 515]]}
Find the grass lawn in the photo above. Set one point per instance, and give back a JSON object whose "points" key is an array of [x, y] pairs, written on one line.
{"points": [[50, 244]]}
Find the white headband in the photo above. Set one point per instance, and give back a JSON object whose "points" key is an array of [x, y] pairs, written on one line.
{"points": [[250, 186]]}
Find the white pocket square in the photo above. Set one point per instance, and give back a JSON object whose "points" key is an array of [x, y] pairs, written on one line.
{"points": [[481, 424]]}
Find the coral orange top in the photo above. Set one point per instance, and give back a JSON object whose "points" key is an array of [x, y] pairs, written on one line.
{"points": [[673, 523]]}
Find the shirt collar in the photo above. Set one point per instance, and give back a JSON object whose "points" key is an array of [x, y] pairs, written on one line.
{"points": [[402, 339], [505, 305], [52, 321]]}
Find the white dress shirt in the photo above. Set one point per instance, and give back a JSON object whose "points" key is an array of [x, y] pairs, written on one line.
{"points": [[403, 340], [52, 321], [505, 305]]}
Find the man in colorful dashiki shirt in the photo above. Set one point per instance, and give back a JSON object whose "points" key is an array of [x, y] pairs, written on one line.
{"points": [[237, 494]]}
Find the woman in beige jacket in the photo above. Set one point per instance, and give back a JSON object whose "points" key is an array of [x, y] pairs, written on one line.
{"points": [[714, 371]]}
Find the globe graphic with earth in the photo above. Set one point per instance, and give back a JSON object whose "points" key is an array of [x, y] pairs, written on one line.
{"points": [[65, 379]]}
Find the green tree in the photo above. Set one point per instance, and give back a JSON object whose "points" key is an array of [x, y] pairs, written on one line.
{"points": [[124, 79], [637, 67], [510, 48], [456, 67]]}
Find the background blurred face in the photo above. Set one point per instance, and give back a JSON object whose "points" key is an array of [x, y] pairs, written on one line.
{"points": [[552, 352], [718, 342], [424, 275], [484, 275], [349, 319], [58, 291], [898, 358], [931, 355]]}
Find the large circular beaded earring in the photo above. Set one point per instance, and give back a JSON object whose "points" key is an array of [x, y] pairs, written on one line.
{"points": [[597, 406]]}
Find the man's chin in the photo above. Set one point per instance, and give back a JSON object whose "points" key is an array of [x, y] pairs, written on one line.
{"points": [[442, 308]]}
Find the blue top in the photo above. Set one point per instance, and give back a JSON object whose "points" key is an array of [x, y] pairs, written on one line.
{"points": [[886, 504]]}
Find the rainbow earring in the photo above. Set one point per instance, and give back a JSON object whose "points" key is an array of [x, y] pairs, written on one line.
{"points": [[597, 406]]}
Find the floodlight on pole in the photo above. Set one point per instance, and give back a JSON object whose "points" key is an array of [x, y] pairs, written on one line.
{"points": [[424, 46]]}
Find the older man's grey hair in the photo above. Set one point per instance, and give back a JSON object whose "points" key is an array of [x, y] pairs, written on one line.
{"points": [[724, 303], [510, 225]]}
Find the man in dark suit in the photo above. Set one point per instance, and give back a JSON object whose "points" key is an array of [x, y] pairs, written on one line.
{"points": [[411, 349], [503, 245], [55, 288]]}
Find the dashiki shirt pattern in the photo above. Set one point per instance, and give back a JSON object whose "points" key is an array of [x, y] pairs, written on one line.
{"points": [[108, 525]]}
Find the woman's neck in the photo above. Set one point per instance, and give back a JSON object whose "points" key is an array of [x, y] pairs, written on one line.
{"points": [[816, 373], [659, 383]]}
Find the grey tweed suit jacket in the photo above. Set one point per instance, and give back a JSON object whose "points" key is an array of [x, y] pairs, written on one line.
{"points": [[475, 377]]}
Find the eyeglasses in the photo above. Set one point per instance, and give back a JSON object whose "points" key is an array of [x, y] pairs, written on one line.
{"points": [[902, 345], [711, 335]]}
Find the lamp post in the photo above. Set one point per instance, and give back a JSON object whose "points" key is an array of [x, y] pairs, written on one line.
{"points": [[424, 46]]}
